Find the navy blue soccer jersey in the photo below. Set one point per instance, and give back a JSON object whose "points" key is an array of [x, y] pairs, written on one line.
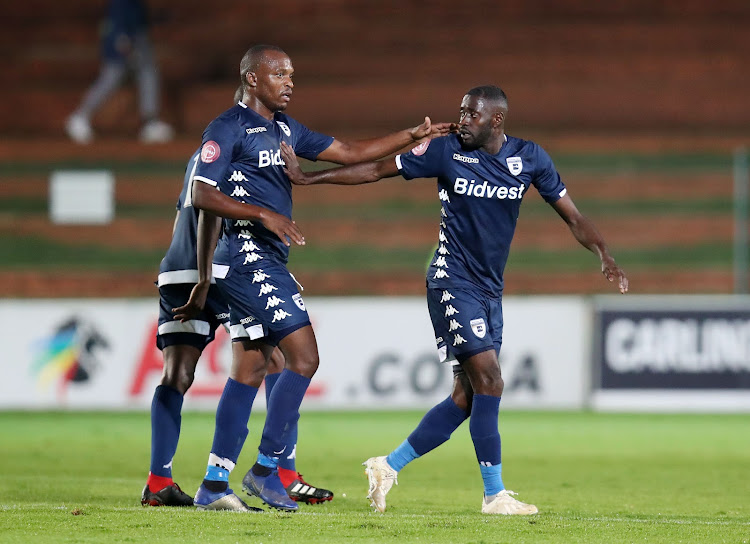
{"points": [[481, 196], [179, 265], [241, 156]]}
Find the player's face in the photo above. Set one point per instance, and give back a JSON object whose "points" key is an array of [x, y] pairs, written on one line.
{"points": [[275, 85], [475, 122]]}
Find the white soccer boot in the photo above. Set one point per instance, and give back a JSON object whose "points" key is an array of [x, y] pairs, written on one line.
{"points": [[156, 132], [381, 477], [78, 129], [503, 503]]}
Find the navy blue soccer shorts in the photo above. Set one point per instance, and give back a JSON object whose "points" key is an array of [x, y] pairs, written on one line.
{"points": [[198, 332], [265, 303], [465, 322]]}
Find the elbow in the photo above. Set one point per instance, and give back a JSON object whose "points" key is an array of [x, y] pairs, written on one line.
{"points": [[200, 198]]}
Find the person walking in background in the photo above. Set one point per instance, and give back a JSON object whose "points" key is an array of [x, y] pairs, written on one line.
{"points": [[483, 175], [125, 46]]}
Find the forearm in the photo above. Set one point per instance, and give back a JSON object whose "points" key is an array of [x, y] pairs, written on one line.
{"points": [[589, 237], [208, 198], [377, 148], [209, 228]]}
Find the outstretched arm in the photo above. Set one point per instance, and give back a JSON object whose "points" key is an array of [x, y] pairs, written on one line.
{"points": [[209, 228], [356, 174], [590, 238], [207, 198], [378, 148]]}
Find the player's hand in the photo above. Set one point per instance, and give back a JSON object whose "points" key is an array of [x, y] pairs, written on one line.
{"points": [[283, 227], [613, 272], [291, 165], [430, 130], [195, 303]]}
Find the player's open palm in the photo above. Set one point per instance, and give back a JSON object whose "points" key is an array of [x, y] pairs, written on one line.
{"points": [[283, 227], [430, 130], [613, 272]]}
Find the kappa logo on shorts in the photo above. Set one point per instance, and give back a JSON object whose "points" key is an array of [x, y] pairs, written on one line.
{"points": [[450, 310], [515, 165], [297, 298], [259, 276], [478, 327], [266, 288], [243, 223], [252, 257], [273, 301], [248, 246], [246, 320], [453, 325], [439, 340], [446, 296], [280, 314], [458, 340], [210, 152]]}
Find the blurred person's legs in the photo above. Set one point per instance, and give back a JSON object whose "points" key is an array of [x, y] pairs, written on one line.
{"points": [[147, 76], [78, 125]]}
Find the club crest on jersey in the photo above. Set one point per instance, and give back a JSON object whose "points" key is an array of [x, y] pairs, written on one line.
{"points": [[210, 152], [478, 327], [297, 298], [515, 165], [284, 128], [420, 149]]}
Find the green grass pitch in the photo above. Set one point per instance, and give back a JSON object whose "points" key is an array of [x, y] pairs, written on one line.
{"points": [[77, 477]]}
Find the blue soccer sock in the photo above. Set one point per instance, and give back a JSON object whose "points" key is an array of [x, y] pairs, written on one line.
{"points": [[486, 437], [484, 432], [282, 417], [166, 408], [436, 427], [232, 415], [288, 460]]}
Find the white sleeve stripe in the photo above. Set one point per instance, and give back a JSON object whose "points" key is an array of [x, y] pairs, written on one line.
{"points": [[206, 180], [398, 162], [563, 192]]}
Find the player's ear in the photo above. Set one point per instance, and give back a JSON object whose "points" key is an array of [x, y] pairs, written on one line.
{"points": [[251, 78]]}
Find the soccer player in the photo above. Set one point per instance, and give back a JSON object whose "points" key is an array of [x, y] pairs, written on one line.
{"points": [[182, 335], [240, 156], [482, 176]]}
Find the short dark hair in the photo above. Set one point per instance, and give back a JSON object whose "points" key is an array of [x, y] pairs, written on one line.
{"points": [[491, 92], [252, 59]]}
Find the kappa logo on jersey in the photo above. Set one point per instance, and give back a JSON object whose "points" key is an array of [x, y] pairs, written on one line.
{"points": [[446, 297], [461, 158], [478, 327], [443, 195], [259, 276], [255, 130], [270, 157], [443, 212], [441, 273], [450, 310], [443, 251], [243, 223], [239, 191], [252, 257], [454, 325], [458, 340], [210, 152], [420, 149], [284, 128], [248, 245], [440, 261], [273, 301], [515, 165], [266, 288], [237, 176], [280, 314], [297, 298], [463, 186]]}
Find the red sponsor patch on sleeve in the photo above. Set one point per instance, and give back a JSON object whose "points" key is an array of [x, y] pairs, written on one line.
{"points": [[210, 152], [420, 149]]}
